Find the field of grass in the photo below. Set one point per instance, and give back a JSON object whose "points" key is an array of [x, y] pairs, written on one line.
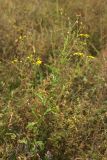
{"points": [[53, 80]]}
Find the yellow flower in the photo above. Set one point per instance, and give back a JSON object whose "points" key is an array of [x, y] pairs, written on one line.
{"points": [[20, 37], [78, 54], [30, 57], [39, 61], [14, 61], [84, 35], [91, 57]]}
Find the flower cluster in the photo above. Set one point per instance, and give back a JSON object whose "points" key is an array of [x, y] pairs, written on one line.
{"points": [[78, 54], [30, 59], [39, 61], [20, 38], [91, 57], [84, 35], [14, 61]]}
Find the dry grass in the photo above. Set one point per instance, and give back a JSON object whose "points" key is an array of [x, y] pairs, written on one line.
{"points": [[52, 88]]}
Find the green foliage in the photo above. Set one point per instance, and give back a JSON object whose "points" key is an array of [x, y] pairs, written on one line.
{"points": [[52, 89]]}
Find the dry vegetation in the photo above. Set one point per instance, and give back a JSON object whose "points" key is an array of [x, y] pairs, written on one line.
{"points": [[53, 82]]}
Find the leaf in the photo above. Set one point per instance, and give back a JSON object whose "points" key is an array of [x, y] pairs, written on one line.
{"points": [[43, 99], [12, 135], [47, 111], [40, 144], [22, 141], [31, 125]]}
